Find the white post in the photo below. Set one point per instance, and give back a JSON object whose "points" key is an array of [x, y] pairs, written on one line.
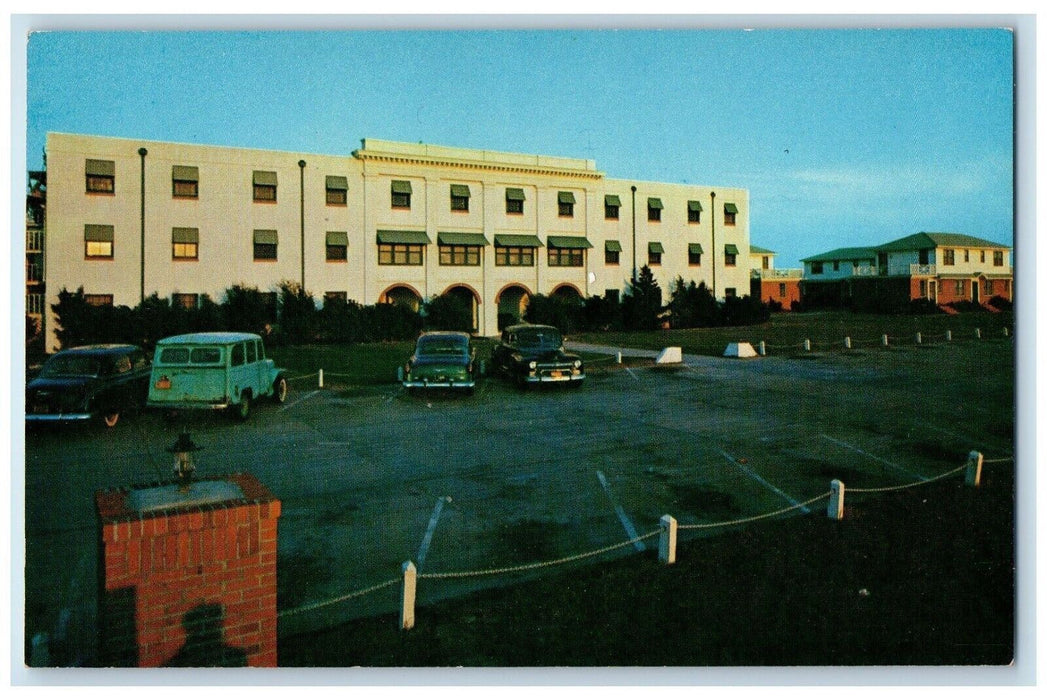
{"points": [[847, 342], [885, 340], [919, 338], [407, 596], [619, 357], [974, 469], [948, 335], [807, 345], [321, 379], [1006, 332], [667, 541], [836, 490], [763, 348], [978, 333]]}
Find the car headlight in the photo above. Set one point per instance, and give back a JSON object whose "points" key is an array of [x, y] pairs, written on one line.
{"points": [[533, 364]]}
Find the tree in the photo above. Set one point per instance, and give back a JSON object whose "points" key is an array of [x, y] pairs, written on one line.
{"points": [[448, 312], [643, 302]]}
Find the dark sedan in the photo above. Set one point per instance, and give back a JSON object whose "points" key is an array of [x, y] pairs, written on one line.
{"points": [[94, 381], [441, 359], [533, 354]]}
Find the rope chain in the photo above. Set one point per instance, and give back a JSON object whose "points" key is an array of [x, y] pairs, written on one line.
{"points": [[726, 523], [339, 599]]}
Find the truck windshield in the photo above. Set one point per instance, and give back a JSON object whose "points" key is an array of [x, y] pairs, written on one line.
{"points": [[542, 338], [195, 356]]}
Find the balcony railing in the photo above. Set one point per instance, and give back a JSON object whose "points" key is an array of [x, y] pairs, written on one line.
{"points": [[34, 272], [865, 271], [922, 270], [780, 273]]}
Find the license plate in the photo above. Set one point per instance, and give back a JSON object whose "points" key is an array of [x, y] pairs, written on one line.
{"points": [[163, 383], [556, 374]]}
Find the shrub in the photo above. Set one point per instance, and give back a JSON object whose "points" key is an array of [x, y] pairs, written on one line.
{"points": [[447, 312], [743, 311], [555, 311], [248, 310], [1001, 303], [389, 322], [924, 306], [601, 314], [965, 306], [298, 317]]}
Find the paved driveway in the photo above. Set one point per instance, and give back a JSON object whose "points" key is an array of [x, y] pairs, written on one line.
{"points": [[370, 478]]}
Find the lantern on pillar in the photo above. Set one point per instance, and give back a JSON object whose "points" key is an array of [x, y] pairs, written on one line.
{"points": [[183, 450]]}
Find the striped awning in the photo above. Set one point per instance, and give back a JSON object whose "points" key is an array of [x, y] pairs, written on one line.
{"points": [[100, 167], [459, 190], [185, 173], [513, 240], [337, 182], [730, 249], [565, 197], [264, 177], [655, 247], [730, 208], [654, 203], [451, 238], [695, 248], [401, 187], [338, 238], [694, 205], [185, 235], [572, 242], [515, 194], [265, 236], [612, 200], [98, 232], [612, 246]]}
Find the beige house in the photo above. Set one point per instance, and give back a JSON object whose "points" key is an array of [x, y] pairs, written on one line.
{"points": [[392, 222]]}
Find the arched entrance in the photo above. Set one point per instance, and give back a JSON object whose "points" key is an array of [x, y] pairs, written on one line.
{"points": [[470, 299], [402, 295], [512, 304], [569, 293]]}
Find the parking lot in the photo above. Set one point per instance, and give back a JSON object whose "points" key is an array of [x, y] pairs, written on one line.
{"points": [[370, 478]]}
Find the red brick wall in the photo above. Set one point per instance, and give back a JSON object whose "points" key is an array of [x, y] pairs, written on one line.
{"points": [[189, 586], [770, 290]]}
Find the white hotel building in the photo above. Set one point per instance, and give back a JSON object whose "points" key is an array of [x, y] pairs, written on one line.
{"points": [[392, 222]]}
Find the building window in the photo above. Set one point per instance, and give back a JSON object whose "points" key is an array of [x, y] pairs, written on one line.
{"points": [[611, 206], [460, 197], [98, 242], [185, 243], [817, 267], [566, 257], [923, 288], [654, 209], [336, 298], [730, 211], [694, 254], [836, 265], [185, 301], [98, 299], [730, 293], [948, 256], [265, 245], [612, 251], [694, 212], [989, 287], [463, 255], [997, 258], [337, 190], [983, 256], [101, 176], [730, 255], [400, 194], [654, 254], [781, 290], [185, 182], [264, 182], [513, 256], [337, 246], [966, 256], [400, 254], [514, 200], [565, 201], [924, 257], [34, 304]]}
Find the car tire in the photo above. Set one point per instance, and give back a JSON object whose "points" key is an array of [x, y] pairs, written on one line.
{"points": [[280, 390], [110, 418], [242, 410]]}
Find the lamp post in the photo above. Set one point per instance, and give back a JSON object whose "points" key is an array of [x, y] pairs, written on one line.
{"points": [[712, 218], [141, 251], [633, 207], [301, 216], [184, 467]]}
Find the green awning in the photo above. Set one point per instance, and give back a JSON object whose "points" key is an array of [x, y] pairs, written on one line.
{"points": [[185, 235], [401, 187], [338, 238], [267, 236], [337, 182], [729, 208], [404, 237], [572, 242], [512, 240], [654, 203], [730, 249], [101, 167], [695, 248], [565, 197], [612, 246], [694, 205], [515, 194], [655, 248], [264, 177], [98, 232], [611, 200], [448, 238], [185, 173], [459, 190]]}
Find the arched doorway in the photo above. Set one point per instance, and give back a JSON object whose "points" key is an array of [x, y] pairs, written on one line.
{"points": [[402, 295], [470, 299], [512, 304], [569, 293]]}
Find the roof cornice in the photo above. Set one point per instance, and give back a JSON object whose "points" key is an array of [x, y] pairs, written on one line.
{"points": [[411, 159]]}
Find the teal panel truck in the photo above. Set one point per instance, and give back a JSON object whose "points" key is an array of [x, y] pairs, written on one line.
{"points": [[214, 371]]}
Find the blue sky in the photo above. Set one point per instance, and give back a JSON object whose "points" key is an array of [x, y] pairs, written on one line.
{"points": [[844, 137]]}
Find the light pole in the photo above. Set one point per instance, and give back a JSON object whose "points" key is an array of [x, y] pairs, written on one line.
{"points": [[141, 287], [712, 218], [301, 215], [633, 207]]}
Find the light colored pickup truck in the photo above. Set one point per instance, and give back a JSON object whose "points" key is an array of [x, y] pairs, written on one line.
{"points": [[213, 371]]}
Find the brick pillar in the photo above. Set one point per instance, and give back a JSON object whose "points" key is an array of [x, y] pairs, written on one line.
{"points": [[188, 578]]}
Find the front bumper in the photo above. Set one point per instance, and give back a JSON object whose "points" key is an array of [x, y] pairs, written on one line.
{"points": [[543, 376], [57, 417], [439, 384], [189, 405]]}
